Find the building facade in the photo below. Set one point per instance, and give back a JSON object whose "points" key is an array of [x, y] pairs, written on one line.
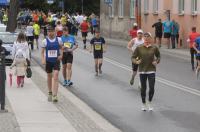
{"points": [[117, 18], [116, 23]]}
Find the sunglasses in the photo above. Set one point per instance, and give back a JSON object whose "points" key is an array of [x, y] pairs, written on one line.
{"points": [[146, 36]]}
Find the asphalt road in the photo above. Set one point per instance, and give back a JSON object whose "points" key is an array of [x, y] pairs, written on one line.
{"points": [[176, 100]]}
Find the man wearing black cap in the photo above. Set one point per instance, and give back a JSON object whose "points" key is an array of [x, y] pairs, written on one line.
{"points": [[51, 54], [158, 31], [147, 57], [98, 47]]}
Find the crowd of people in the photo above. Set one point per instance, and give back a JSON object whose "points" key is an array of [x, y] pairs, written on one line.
{"points": [[58, 46], [59, 42], [138, 45]]}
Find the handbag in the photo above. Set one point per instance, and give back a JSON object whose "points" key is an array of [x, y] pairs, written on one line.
{"points": [[28, 72]]}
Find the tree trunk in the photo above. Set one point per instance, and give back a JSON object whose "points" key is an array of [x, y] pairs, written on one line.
{"points": [[12, 15]]}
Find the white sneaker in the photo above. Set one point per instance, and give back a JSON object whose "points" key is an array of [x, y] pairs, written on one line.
{"points": [[144, 107], [197, 73], [150, 107]]}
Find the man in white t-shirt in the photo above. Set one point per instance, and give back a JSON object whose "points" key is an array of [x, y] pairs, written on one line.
{"points": [[30, 35], [132, 45]]}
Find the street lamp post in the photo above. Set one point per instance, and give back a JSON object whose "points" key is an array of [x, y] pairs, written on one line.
{"points": [[82, 6]]}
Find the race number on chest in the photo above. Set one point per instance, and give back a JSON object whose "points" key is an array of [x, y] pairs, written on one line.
{"points": [[52, 53]]}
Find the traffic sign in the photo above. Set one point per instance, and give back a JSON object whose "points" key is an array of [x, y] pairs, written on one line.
{"points": [[108, 1], [50, 1]]}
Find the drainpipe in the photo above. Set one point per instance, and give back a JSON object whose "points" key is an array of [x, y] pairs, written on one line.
{"points": [[138, 12]]}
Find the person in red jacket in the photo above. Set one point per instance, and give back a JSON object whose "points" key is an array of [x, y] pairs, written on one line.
{"points": [[133, 32], [192, 37], [84, 30]]}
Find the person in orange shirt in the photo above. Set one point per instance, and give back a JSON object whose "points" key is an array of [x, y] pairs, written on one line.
{"points": [[84, 30], [192, 37], [35, 17], [133, 31]]}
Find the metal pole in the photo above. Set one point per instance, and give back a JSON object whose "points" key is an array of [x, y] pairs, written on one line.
{"points": [[82, 6], [63, 7], [2, 80]]}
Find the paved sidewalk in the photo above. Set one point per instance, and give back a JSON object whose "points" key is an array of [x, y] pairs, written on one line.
{"points": [[8, 122], [35, 114]]}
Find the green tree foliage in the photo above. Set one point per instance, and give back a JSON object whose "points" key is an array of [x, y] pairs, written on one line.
{"points": [[71, 6]]}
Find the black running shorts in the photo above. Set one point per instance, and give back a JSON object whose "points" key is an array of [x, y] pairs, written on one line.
{"points": [[67, 58], [134, 67], [98, 55], [50, 66], [84, 34], [167, 35]]}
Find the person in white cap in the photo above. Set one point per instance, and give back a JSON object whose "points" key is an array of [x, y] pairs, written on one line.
{"points": [[132, 45], [147, 56], [133, 31]]}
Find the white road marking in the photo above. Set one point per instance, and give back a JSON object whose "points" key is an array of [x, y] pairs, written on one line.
{"points": [[159, 79]]}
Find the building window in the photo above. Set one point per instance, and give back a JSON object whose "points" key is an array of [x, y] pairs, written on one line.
{"points": [[111, 9], [132, 9], [146, 6], [121, 8], [181, 7], [155, 6], [194, 7]]}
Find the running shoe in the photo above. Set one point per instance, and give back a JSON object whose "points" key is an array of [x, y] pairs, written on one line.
{"points": [[65, 83], [69, 83], [96, 74], [49, 96], [100, 71], [55, 98], [139, 87], [132, 81], [144, 107], [197, 73], [150, 107]]}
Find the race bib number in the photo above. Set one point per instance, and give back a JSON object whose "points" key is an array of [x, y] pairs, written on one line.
{"points": [[68, 45], [97, 47], [52, 53]]}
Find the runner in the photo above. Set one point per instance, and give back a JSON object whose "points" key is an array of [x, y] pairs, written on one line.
{"points": [[158, 32], [70, 45], [36, 28], [98, 47], [147, 57], [196, 46], [51, 56], [132, 45], [59, 29], [192, 36], [29, 34], [94, 24], [84, 30], [133, 32]]}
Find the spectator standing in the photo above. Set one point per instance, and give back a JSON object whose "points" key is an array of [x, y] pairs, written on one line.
{"points": [[158, 32], [167, 28], [174, 34]]}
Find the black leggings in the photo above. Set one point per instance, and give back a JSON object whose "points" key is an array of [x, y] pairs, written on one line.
{"points": [[151, 80], [192, 53]]}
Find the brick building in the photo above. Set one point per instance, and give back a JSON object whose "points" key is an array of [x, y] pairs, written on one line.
{"points": [[118, 17]]}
